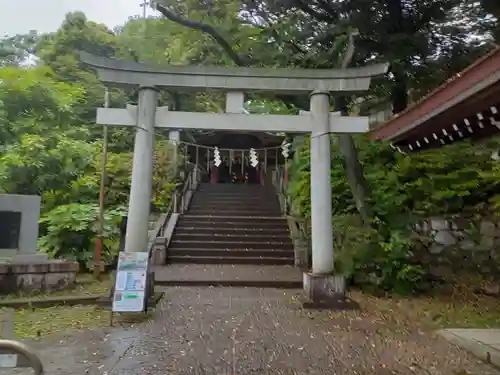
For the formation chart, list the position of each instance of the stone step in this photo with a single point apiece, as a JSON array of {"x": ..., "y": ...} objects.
[
  {"x": 234, "y": 197},
  {"x": 237, "y": 191},
  {"x": 229, "y": 275},
  {"x": 235, "y": 187},
  {"x": 231, "y": 253},
  {"x": 214, "y": 225},
  {"x": 236, "y": 194},
  {"x": 241, "y": 205},
  {"x": 233, "y": 218},
  {"x": 229, "y": 260},
  {"x": 267, "y": 192},
  {"x": 223, "y": 231},
  {"x": 232, "y": 236},
  {"x": 214, "y": 244},
  {"x": 235, "y": 202},
  {"x": 233, "y": 211},
  {"x": 244, "y": 201}
]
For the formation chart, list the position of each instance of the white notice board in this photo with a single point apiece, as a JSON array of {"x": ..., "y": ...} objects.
[{"x": 130, "y": 286}]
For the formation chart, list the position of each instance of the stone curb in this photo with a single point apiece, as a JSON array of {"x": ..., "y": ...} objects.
[
  {"x": 96, "y": 299},
  {"x": 51, "y": 301},
  {"x": 482, "y": 351}
]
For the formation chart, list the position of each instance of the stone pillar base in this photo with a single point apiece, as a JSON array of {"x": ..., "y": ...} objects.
[
  {"x": 326, "y": 292},
  {"x": 159, "y": 257}
]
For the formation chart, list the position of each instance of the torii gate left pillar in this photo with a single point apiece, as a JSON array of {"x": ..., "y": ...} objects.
[{"x": 142, "y": 171}]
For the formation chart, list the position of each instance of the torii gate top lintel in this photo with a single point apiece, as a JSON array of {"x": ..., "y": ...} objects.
[{"x": 196, "y": 78}]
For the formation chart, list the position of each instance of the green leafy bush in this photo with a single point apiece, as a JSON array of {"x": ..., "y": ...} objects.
[
  {"x": 447, "y": 182},
  {"x": 71, "y": 231}
]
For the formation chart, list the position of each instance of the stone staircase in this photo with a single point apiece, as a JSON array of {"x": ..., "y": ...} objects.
[{"x": 232, "y": 224}]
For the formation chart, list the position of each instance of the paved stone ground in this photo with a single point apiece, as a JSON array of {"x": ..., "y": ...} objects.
[
  {"x": 484, "y": 343},
  {"x": 218, "y": 331}
]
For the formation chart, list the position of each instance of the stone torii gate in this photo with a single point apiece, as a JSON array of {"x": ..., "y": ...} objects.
[{"x": 319, "y": 122}]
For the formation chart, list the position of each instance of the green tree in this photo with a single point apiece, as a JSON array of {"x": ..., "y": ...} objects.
[
  {"x": 18, "y": 49},
  {"x": 60, "y": 51},
  {"x": 32, "y": 100},
  {"x": 493, "y": 8}
]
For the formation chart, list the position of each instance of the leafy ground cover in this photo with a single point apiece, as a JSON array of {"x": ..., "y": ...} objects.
[
  {"x": 432, "y": 312},
  {"x": 33, "y": 322}
]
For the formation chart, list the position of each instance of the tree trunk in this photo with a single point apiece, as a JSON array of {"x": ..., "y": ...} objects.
[
  {"x": 353, "y": 168},
  {"x": 399, "y": 94}
]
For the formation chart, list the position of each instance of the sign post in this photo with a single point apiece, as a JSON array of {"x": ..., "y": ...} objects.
[{"x": 131, "y": 292}]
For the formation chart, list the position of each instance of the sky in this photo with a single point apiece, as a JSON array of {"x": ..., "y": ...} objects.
[{"x": 21, "y": 16}]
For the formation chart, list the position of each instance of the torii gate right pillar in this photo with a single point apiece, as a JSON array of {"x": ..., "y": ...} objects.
[
  {"x": 321, "y": 187},
  {"x": 322, "y": 287}
]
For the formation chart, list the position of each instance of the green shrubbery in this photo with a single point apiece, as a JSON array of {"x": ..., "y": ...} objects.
[{"x": 457, "y": 180}]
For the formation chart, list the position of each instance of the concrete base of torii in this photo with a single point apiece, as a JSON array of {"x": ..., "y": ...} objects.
[
  {"x": 322, "y": 289},
  {"x": 326, "y": 292}
]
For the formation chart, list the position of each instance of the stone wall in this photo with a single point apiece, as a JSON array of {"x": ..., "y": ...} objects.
[
  {"x": 33, "y": 278},
  {"x": 460, "y": 245}
]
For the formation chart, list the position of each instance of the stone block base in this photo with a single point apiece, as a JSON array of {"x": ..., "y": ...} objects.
[
  {"x": 35, "y": 277},
  {"x": 159, "y": 256},
  {"x": 326, "y": 292}
]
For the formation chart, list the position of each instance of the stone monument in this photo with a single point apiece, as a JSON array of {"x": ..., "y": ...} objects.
[{"x": 21, "y": 266}]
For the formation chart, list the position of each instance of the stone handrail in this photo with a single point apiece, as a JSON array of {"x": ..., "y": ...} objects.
[
  {"x": 188, "y": 185},
  {"x": 26, "y": 356},
  {"x": 299, "y": 227}
]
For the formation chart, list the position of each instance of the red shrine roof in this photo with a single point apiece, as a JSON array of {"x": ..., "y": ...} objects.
[{"x": 466, "y": 106}]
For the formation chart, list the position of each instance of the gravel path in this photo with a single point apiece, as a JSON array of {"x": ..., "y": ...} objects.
[
  {"x": 254, "y": 331},
  {"x": 218, "y": 331}
]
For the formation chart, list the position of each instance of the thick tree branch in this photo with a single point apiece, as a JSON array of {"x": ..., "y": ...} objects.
[
  {"x": 225, "y": 45},
  {"x": 354, "y": 170},
  {"x": 304, "y": 6},
  {"x": 275, "y": 34},
  {"x": 207, "y": 29},
  {"x": 349, "y": 52}
]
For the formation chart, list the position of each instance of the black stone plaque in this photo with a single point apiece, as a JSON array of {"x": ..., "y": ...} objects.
[{"x": 10, "y": 229}]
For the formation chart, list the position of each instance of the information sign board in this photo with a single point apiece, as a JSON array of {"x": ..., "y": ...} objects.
[{"x": 131, "y": 281}]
